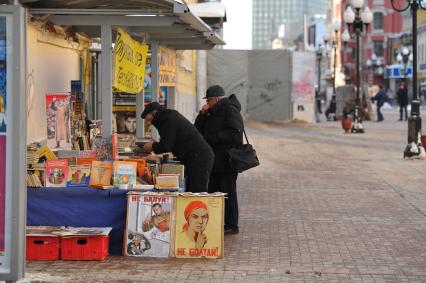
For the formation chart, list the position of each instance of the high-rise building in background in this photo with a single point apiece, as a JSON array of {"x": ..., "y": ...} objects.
[{"x": 282, "y": 21}]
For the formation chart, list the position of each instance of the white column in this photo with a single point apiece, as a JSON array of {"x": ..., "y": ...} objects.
[
  {"x": 140, "y": 125},
  {"x": 155, "y": 74}
]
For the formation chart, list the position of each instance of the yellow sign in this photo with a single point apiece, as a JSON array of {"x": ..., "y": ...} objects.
[
  {"x": 167, "y": 67},
  {"x": 130, "y": 60}
]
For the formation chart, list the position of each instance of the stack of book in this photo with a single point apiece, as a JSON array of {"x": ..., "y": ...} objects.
[{"x": 36, "y": 176}]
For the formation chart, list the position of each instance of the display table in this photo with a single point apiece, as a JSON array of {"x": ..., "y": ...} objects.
[{"x": 80, "y": 207}]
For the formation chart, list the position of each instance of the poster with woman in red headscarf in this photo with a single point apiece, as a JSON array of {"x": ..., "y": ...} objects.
[{"x": 199, "y": 226}]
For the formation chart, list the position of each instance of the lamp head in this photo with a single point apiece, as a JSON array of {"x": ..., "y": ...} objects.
[
  {"x": 368, "y": 63},
  {"x": 349, "y": 15},
  {"x": 336, "y": 26},
  {"x": 357, "y": 4},
  {"x": 405, "y": 51},
  {"x": 326, "y": 37},
  {"x": 319, "y": 53},
  {"x": 367, "y": 16},
  {"x": 346, "y": 36}
]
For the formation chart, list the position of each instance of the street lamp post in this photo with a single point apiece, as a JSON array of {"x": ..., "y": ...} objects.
[
  {"x": 372, "y": 64},
  {"x": 336, "y": 28},
  {"x": 404, "y": 57},
  {"x": 414, "y": 147},
  {"x": 358, "y": 20}
]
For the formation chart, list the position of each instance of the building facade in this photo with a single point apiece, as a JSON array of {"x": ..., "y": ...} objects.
[
  {"x": 387, "y": 24},
  {"x": 284, "y": 20},
  {"x": 334, "y": 14}
]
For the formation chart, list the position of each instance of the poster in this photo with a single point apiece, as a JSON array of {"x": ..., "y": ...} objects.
[
  {"x": 126, "y": 122},
  {"x": 58, "y": 121},
  {"x": 147, "y": 78},
  {"x": 167, "y": 67},
  {"x": 149, "y": 224},
  {"x": 2, "y": 189},
  {"x": 130, "y": 60},
  {"x": 5, "y": 140},
  {"x": 124, "y": 173},
  {"x": 303, "y": 79},
  {"x": 57, "y": 173},
  {"x": 199, "y": 226},
  {"x": 78, "y": 175},
  {"x": 167, "y": 77},
  {"x": 163, "y": 96},
  {"x": 3, "y": 132}
]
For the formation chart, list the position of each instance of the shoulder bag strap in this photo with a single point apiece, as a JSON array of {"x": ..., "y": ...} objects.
[{"x": 244, "y": 131}]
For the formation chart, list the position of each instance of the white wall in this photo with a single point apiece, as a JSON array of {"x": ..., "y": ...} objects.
[
  {"x": 186, "y": 105},
  {"x": 53, "y": 63}
]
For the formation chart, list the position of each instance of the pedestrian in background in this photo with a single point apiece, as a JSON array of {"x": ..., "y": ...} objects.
[
  {"x": 221, "y": 124},
  {"x": 380, "y": 99},
  {"x": 402, "y": 96},
  {"x": 331, "y": 110}
]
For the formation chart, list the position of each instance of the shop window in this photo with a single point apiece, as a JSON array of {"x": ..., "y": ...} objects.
[{"x": 378, "y": 20}]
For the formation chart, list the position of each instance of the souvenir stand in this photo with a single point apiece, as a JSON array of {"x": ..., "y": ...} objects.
[{"x": 158, "y": 23}]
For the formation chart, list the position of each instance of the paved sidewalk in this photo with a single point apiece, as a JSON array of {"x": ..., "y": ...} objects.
[{"x": 323, "y": 207}]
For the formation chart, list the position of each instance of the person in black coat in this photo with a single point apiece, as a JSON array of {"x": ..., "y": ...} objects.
[
  {"x": 221, "y": 124},
  {"x": 331, "y": 109},
  {"x": 380, "y": 99},
  {"x": 402, "y": 96},
  {"x": 180, "y": 137}
]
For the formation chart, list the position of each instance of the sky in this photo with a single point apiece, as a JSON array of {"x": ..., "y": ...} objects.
[{"x": 237, "y": 29}]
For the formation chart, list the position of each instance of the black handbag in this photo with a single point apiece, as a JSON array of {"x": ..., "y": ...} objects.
[{"x": 243, "y": 157}]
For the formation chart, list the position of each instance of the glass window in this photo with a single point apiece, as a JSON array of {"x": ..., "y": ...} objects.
[
  {"x": 378, "y": 48},
  {"x": 378, "y": 20}
]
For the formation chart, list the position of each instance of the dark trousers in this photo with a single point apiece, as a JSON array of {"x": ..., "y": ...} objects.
[
  {"x": 401, "y": 111},
  {"x": 379, "y": 114},
  {"x": 197, "y": 172},
  {"x": 227, "y": 183}
]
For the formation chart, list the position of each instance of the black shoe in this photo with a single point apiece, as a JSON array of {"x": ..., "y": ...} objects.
[
  {"x": 231, "y": 230},
  {"x": 400, "y": 120}
]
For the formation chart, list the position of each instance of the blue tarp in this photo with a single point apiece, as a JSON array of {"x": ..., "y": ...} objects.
[{"x": 80, "y": 207}]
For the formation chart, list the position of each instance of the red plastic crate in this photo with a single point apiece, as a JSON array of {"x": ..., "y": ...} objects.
[
  {"x": 43, "y": 248},
  {"x": 85, "y": 248}
]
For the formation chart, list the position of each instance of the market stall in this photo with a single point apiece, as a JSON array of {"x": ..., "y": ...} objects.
[{"x": 80, "y": 175}]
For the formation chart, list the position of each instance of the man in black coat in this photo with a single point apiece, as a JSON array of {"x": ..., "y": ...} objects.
[
  {"x": 402, "y": 96},
  {"x": 380, "y": 99},
  {"x": 181, "y": 138},
  {"x": 221, "y": 124}
]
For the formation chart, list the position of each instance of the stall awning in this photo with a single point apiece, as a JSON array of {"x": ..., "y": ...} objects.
[
  {"x": 208, "y": 10},
  {"x": 169, "y": 22},
  {"x": 213, "y": 13}
]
